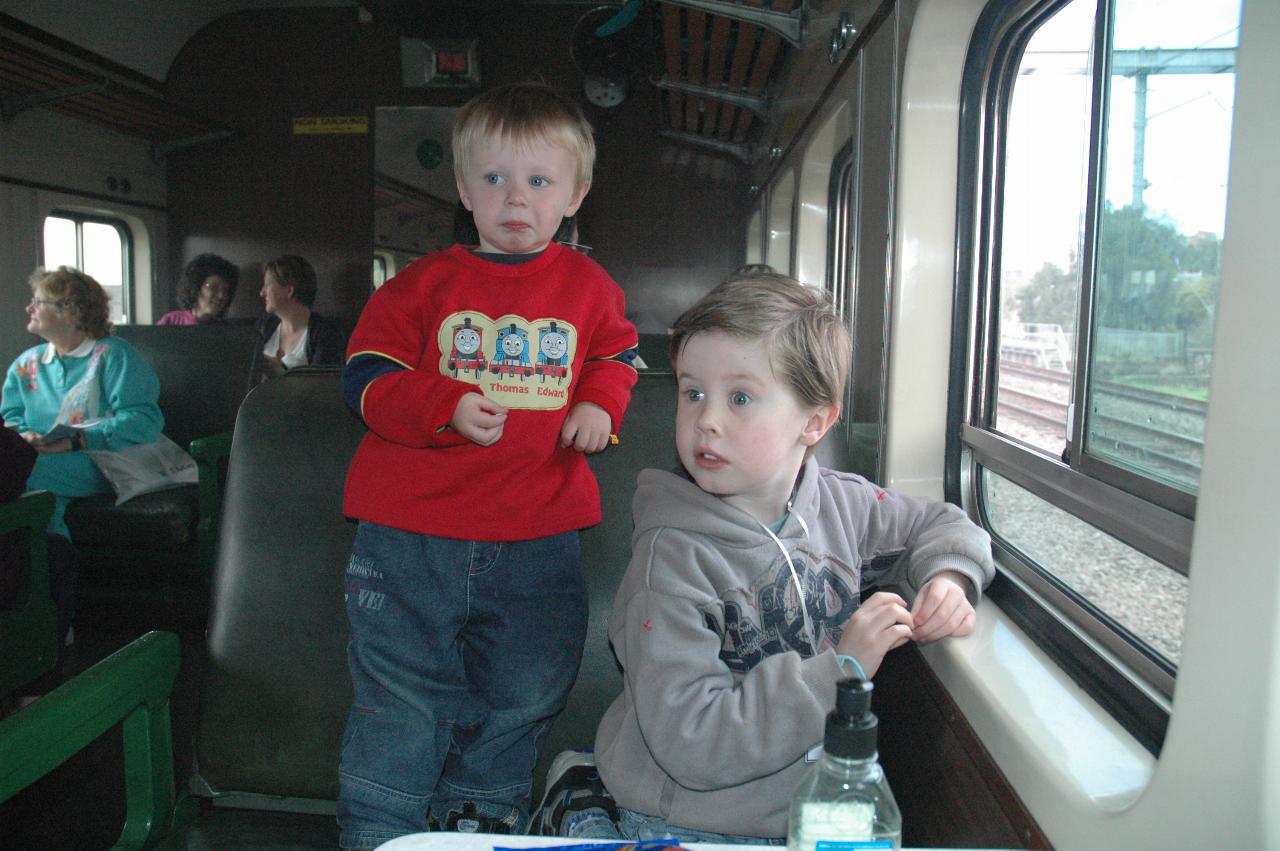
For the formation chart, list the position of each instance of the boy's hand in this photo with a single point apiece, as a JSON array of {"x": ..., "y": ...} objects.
[
  {"x": 479, "y": 419},
  {"x": 878, "y": 626},
  {"x": 941, "y": 608},
  {"x": 586, "y": 428}
]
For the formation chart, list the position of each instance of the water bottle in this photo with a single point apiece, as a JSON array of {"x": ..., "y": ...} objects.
[{"x": 845, "y": 803}]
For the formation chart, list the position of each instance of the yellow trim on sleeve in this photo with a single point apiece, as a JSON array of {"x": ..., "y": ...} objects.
[{"x": 355, "y": 355}]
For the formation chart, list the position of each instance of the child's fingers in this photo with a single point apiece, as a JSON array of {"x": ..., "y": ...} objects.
[
  {"x": 885, "y": 598},
  {"x": 931, "y": 596},
  {"x": 947, "y": 620},
  {"x": 487, "y": 436},
  {"x": 590, "y": 441},
  {"x": 568, "y": 434},
  {"x": 886, "y": 614}
]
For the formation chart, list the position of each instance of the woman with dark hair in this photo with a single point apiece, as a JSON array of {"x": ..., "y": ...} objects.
[
  {"x": 292, "y": 333},
  {"x": 83, "y": 378},
  {"x": 205, "y": 293}
]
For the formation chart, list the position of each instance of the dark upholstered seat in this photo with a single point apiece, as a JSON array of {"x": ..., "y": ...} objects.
[
  {"x": 156, "y": 540},
  {"x": 167, "y": 516},
  {"x": 276, "y": 690},
  {"x": 203, "y": 371}
]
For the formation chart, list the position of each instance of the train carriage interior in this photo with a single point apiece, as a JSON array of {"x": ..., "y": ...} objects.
[{"x": 1042, "y": 221}]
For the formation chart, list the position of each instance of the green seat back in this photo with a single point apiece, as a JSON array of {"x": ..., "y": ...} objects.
[{"x": 203, "y": 371}]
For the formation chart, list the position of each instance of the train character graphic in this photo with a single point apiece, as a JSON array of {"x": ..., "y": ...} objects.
[
  {"x": 553, "y": 350},
  {"x": 511, "y": 353},
  {"x": 467, "y": 354}
]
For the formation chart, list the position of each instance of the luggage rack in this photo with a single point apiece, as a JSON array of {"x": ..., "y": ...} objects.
[{"x": 40, "y": 70}]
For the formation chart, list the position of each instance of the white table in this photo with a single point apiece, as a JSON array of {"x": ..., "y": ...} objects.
[
  {"x": 444, "y": 841},
  {"x": 488, "y": 841}
]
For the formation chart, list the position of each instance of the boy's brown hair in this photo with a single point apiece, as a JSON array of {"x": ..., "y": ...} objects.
[
  {"x": 522, "y": 114},
  {"x": 808, "y": 343}
]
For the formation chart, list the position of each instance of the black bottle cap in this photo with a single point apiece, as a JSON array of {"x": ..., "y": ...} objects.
[{"x": 851, "y": 726}]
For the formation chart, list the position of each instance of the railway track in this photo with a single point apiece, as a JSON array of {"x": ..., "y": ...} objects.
[{"x": 1157, "y": 430}]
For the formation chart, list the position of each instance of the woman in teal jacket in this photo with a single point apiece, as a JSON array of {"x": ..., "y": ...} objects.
[{"x": 80, "y": 376}]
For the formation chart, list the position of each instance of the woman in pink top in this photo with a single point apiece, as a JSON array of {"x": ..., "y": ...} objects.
[{"x": 207, "y": 289}]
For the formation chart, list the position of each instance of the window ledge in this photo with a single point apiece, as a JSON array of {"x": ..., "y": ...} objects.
[{"x": 1060, "y": 750}]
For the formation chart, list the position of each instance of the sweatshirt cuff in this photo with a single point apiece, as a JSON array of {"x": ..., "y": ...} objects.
[
  {"x": 604, "y": 400},
  {"x": 957, "y": 564}
]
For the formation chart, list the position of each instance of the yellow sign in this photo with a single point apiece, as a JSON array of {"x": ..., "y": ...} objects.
[{"x": 331, "y": 124}]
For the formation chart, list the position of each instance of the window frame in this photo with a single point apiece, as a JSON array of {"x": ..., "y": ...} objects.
[
  {"x": 1132, "y": 682},
  {"x": 126, "y": 251}
]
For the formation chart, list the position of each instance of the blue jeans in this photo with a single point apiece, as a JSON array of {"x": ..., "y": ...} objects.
[
  {"x": 638, "y": 827},
  {"x": 462, "y": 654}
]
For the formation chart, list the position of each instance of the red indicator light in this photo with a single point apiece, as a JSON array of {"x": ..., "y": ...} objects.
[{"x": 452, "y": 62}]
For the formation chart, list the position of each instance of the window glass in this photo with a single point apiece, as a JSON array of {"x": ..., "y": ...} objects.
[
  {"x": 1171, "y": 91},
  {"x": 1103, "y": 216},
  {"x": 755, "y": 247},
  {"x": 97, "y": 248},
  {"x": 60, "y": 243},
  {"x": 1141, "y": 595},
  {"x": 104, "y": 261},
  {"x": 1046, "y": 181}
]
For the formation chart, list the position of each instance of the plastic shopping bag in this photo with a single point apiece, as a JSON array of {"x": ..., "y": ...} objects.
[{"x": 146, "y": 467}]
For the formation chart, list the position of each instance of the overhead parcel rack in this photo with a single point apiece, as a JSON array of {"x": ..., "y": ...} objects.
[{"x": 40, "y": 70}]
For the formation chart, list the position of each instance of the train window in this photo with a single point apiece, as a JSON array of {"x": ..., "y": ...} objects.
[
  {"x": 97, "y": 247},
  {"x": 782, "y": 201},
  {"x": 813, "y": 220},
  {"x": 383, "y": 268},
  {"x": 842, "y": 242},
  {"x": 755, "y": 238},
  {"x": 1092, "y": 238}
]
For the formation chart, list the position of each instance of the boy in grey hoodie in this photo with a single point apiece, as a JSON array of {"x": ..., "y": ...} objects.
[{"x": 739, "y": 610}]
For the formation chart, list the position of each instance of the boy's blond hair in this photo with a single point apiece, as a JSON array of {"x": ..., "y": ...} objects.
[
  {"x": 807, "y": 341},
  {"x": 523, "y": 114}
]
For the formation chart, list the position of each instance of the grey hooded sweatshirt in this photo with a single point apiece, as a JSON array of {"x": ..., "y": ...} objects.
[{"x": 724, "y": 692}]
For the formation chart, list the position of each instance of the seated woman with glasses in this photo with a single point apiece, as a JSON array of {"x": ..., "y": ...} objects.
[
  {"x": 205, "y": 293},
  {"x": 292, "y": 333},
  {"x": 88, "y": 383}
]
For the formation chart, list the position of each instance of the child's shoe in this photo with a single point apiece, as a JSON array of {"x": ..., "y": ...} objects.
[
  {"x": 576, "y": 803},
  {"x": 470, "y": 821}
]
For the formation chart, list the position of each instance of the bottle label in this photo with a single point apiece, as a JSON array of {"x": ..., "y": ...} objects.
[{"x": 838, "y": 826}]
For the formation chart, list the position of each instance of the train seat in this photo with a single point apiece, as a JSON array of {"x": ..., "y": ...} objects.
[
  {"x": 152, "y": 542},
  {"x": 653, "y": 350},
  {"x": 28, "y": 630}
]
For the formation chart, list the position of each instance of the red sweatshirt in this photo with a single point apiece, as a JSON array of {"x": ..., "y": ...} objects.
[{"x": 536, "y": 337}]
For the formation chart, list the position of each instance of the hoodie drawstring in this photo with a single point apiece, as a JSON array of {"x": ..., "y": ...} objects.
[{"x": 795, "y": 577}]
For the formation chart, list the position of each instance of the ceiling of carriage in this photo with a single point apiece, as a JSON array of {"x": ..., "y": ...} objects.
[
  {"x": 708, "y": 65},
  {"x": 143, "y": 35},
  {"x": 705, "y": 76},
  {"x": 713, "y": 69}
]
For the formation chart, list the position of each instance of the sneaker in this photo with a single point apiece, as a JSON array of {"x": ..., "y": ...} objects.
[
  {"x": 576, "y": 802},
  {"x": 470, "y": 821}
]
